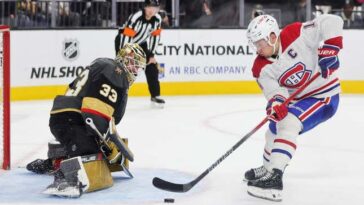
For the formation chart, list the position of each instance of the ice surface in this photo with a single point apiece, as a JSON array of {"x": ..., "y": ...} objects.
[{"x": 179, "y": 142}]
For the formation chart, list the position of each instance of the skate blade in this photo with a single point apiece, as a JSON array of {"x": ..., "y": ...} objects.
[
  {"x": 268, "y": 194},
  {"x": 70, "y": 192},
  {"x": 245, "y": 180},
  {"x": 50, "y": 191},
  {"x": 157, "y": 105}
]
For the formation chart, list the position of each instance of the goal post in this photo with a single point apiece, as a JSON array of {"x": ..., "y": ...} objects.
[{"x": 5, "y": 97}]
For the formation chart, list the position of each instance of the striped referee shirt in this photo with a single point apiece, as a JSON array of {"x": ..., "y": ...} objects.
[{"x": 139, "y": 30}]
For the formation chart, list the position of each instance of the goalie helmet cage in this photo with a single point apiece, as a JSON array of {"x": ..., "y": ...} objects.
[{"x": 5, "y": 97}]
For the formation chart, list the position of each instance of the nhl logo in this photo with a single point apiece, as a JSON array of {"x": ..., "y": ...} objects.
[{"x": 70, "y": 49}]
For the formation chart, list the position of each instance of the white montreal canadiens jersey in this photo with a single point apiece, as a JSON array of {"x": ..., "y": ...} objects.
[{"x": 297, "y": 61}]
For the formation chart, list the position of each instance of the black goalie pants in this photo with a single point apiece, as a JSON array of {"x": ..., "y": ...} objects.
[{"x": 70, "y": 130}]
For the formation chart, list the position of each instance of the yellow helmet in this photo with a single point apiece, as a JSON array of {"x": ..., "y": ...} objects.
[{"x": 133, "y": 58}]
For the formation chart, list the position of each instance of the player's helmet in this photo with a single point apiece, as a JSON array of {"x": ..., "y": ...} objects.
[
  {"x": 133, "y": 58},
  {"x": 151, "y": 3},
  {"x": 261, "y": 27}
]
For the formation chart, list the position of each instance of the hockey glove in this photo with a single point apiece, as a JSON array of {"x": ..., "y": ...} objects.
[
  {"x": 276, "y": 111},
  {"x": 328, "y": 59}
]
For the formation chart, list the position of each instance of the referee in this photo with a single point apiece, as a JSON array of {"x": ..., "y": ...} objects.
[{"x": 144, "y": 28}]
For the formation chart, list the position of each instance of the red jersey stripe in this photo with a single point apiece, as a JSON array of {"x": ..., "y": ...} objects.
[
  {"x": 95, "y": 113},
  {"x": 286, "y": 142}
]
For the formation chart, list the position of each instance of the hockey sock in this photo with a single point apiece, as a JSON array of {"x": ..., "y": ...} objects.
[
  {"x": 269, "y": 138},
  {"x": 284, "y": 145}
]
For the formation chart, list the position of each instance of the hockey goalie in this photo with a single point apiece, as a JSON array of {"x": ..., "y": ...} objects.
[{"x": 87, "y": 146}]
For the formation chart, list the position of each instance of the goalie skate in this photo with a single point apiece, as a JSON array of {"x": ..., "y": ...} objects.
[
  {"x": 40, "y": 166},
  {"x": 268, "y": 187},
  {"x": 70, "y": 180},
  {"x": 60, "y": 187}
]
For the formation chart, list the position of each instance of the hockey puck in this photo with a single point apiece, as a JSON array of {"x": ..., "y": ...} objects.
[{"x": 168, "y": 200}]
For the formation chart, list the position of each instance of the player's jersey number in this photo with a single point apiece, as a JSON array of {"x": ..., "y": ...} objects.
[
  {"x": 80, "y": 82},
  {"x": 109, "y": 92}
]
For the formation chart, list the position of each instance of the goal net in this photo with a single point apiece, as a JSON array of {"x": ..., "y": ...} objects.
[{"x": 4, "y": 97}]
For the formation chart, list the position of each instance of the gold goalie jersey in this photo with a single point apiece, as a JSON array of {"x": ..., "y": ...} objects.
[{"x": 101, "y": 89}]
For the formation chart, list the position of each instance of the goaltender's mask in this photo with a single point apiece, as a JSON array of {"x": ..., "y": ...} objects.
[{"x": 133, "y": 59}]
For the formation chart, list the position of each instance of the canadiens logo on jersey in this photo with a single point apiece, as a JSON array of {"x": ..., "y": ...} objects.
[
  {"x": 295, "y": 76},
  {"x": 70, "y": 49}
]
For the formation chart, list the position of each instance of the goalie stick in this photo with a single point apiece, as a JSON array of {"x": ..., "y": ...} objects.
[
  {"x": 111, "y": 131},
  {"x": 174, "y": 187}
]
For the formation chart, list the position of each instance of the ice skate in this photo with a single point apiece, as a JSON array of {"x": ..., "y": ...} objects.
[
  {"x": 61, "y": 187},
  {"x": 157, "y": 102},
  {"x": 70, "y": 180},
  {"x": 40, "y": 166},
  {"x": 255, "y": 173},
  {"x": 268, "y": 187}
]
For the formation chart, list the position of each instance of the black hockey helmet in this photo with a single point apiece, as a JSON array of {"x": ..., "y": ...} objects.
[{"x": 151, "y": 3}]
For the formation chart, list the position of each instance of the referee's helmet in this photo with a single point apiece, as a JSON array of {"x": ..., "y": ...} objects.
[{"x": 151, "y": 3}]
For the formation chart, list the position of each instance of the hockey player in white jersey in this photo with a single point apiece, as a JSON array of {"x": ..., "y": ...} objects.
[{"x": 286, "y": 60}]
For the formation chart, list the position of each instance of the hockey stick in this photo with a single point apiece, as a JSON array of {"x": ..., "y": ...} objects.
[
  {"x": 110, "y": 131},
  {"x": 173, "y": 187},
  {"x": 115, "y": 138},
  {"x": 102, "y": 137}
]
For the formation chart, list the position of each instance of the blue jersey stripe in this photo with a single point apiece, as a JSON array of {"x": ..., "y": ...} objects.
[
  {"x": 265, "y": 158},
  {"x": 282, "y": 152}
]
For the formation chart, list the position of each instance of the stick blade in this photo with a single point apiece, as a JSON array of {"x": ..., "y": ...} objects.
[{"x": 169, "y": 186}]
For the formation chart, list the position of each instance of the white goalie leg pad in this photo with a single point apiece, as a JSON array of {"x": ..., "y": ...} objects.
[
  {"x": 51, "y": 189},
  {"x": 72, "y": 165},
  {"x": 75, "y": 180},
  {"x": 269, "y": 194},
  {"x": 67, "y": 192}
]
